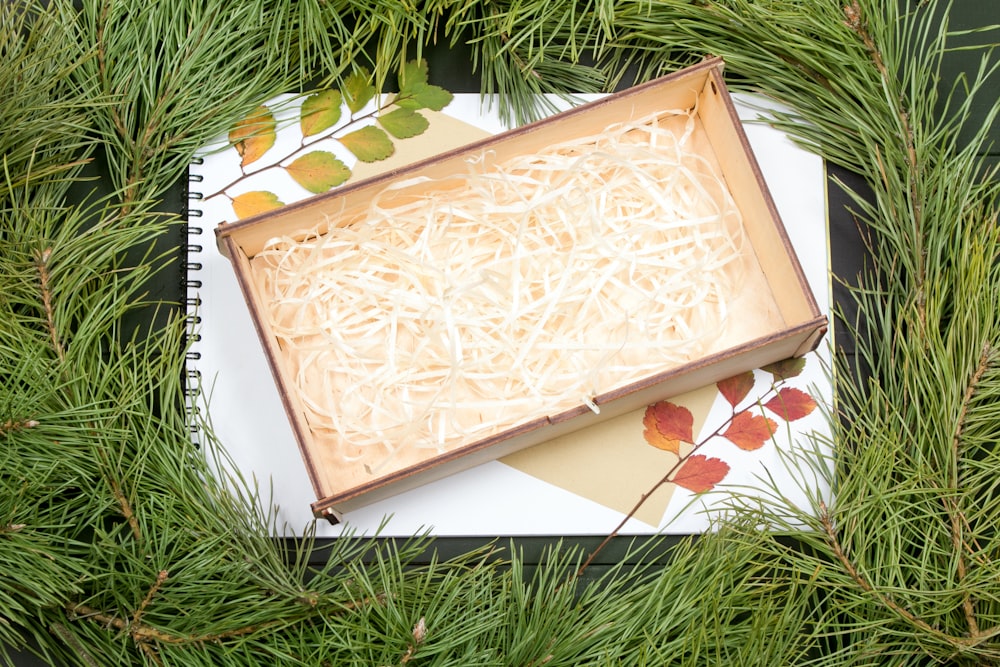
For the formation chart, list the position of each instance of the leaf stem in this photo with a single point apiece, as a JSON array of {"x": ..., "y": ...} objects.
[{"x": 642, "y": 501}]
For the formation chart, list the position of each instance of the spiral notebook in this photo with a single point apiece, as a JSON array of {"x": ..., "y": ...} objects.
[{"x": 580, "y": 484}]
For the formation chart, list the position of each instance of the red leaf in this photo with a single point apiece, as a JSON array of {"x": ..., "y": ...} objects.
[
  {"x": 748, "y": 431},
  {"x": 654, "y": 437},
  {"x": 786, "y": 368},
  {"x": 791, "y": 404},
  {"x": 700, "y": 473},
  {"x": 736, "y": 388},
  {"x": 670, "y": 422}
]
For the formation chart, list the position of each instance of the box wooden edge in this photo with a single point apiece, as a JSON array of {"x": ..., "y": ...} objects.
[
  {"x": 272, "y": 365},
  {"x": 225, "y": 229},
  {"x": 332, "y": 507}
]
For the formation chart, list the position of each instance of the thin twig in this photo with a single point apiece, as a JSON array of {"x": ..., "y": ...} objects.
[
  {"x": 61, "y": 631},
  {"x": 143, "y": 634},
  {"x": 125, "y": 506},
  {"x": 140, "y": 632},
  {"x": 42, "y": 264},
  {"x": 12, "y": 425},
  {"x": 957, "y": 517},
  {"x": 160, "y": 578},
  {"x": 632, "y": 512}
]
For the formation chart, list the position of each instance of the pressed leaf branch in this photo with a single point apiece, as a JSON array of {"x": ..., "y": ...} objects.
[
  {"x": 319, "y": 171},
  {"x": 667, "y": 425}
]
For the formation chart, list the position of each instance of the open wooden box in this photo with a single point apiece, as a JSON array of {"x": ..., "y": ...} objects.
[{"x": 782, "y": 320}]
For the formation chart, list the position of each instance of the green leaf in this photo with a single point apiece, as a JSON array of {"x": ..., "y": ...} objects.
[
  {"x": 320, "y": 111},
  {"x": 403, "y": 123},
  {"x": 413, "y": 73},
  {"x": 424, "y": 96},
  {"x": 786, "y": 368},
  {"x": 253, "y": 203},
  {"x": 358, "y": 90},
  {"x": 318, "y": 171},
  {"x": 369, "y": 144},
  {"x": 254, "y": 135}
]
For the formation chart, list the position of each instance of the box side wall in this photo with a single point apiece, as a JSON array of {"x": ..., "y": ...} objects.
[
  {"x": 293, "y": 409},
  {"x": 760, "y": 215},
  {"x": 692, "y": 376},
  {"x": 678, "y": 92}
]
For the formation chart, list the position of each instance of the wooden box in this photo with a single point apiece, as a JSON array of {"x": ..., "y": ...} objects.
[{"x": 768, "y": 315}]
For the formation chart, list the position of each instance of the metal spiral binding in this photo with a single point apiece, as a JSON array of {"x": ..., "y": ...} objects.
[{"x": 192, "y": 376}]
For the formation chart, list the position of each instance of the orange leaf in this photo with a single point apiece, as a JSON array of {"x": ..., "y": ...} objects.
[
  {"x": 748, "y": 431},
  {"x": 791, "y": 404},
  {"x": 251, "y": 203},
  {"x": 786, "y": 368},
  {"x": 700, "y": 473},
  {"x": 654, "y": 437},
  {"x": 673, "y": 422},
  {"x": 736, "y": 388},
  {"x": 254, "y": 135}
]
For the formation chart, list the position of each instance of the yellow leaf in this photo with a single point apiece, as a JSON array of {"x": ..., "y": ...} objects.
[
  {"x": 254, "y": 135},
  {"x": 320, "y": 111},
  {"x": 318, "y": 171},
  {"x": 254, "y": 203}
]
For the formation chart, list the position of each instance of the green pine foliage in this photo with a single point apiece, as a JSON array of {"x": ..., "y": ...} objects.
[{"x": 121, "y": 543}]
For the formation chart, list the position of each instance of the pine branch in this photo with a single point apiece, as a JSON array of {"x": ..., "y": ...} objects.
[
  {"x": 956, "y": 516},
  {"x": 958, "y": 643},
  {"x": 41, "y": 263},
  {"x": 855, "y": 22},
  {"x": 921, "y": 437}
]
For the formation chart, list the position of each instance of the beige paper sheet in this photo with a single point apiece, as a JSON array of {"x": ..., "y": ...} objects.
[{"x": 611, "y": 463}]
